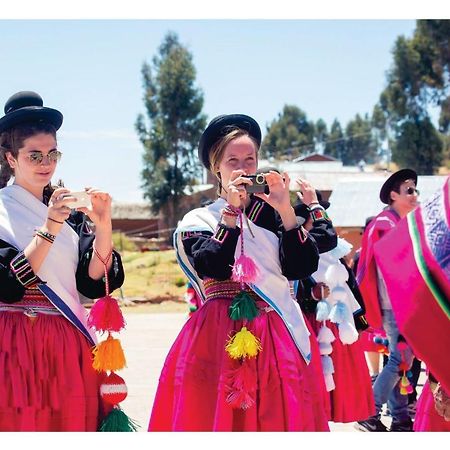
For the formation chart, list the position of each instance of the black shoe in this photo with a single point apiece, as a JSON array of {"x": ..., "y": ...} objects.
[
  {"x": 406, "y": 425},
  {"x": 371, "y": 424}
]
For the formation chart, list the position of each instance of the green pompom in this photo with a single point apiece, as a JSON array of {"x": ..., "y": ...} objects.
[
  {"x": 243, "y": 307},
  {"x": 117, "y": 420}
]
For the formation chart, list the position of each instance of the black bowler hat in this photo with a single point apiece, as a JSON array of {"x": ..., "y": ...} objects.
[
  {"x": 27, "y": 106},
  {"x": 219, "y": 126},
  {"x": 401, "y": 175}
]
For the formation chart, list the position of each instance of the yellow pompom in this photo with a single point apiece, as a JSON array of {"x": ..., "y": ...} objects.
[
  {"x": 108, "y": 355},
  {"x": 403, "y": 391},
  {"x": 404, "y": 382},
  {"x": 243, "y": 344}
]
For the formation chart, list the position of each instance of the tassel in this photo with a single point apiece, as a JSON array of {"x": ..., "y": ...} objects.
[
  {"x": 327, "y": 364},
  {"x": 329, "y": 382},
  {"x": 117, "y": 420},
  {"x": 243, "y": 344},
  {"x": 347, "y": 333},
  {"x": 108, "y": 355},
  {"x": 325, "y": 349},
  {"x": 243, "y": 307},
  {"x": 105, "y": 315},
  {"x": 322, "y": 311},
  {"x": 244, "y": 270},
  {"x": 338, "y": 312},
  {"x": 241, "y": 387},
  {"x": 325, "y": 335},
  {"x": 337, "y": 294}
]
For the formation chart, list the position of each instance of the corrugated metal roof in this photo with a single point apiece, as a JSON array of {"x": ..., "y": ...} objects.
[{"x": 353, "y": 201}]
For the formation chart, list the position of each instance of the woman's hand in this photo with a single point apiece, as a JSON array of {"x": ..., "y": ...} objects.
[
  {"x": 100, "y": 211},
  {"x": 278, "y": 196},
  {"x": 58, "y": 211},
  {"x": 236, "y": 192},
  {"x": 307, "y": 193},
  {"x": 320, "y": 291}
]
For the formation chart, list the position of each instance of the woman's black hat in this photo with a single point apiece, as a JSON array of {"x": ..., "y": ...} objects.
[
  {"x": 28, "y": 106},
  {"x": 219, "y": 126},
  {"x": 401, "y": 175}
]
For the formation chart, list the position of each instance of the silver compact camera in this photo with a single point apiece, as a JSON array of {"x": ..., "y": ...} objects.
[{"x": 259, "y": 185}]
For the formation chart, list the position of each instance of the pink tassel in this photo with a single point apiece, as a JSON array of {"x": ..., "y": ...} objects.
[
  {"x": 241, "y": 387},
  {"x": 105, "y": 315},
  {"x": 244, "y": 270}
]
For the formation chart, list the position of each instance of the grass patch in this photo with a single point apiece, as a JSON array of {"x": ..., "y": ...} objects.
[{"x": 153, "y": 275}]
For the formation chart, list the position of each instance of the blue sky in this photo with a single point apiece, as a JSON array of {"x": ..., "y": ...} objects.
[{"x": 90, "y": 70}]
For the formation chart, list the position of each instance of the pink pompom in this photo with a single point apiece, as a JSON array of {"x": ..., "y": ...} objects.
[
  {"x": 244, "y": 270},
  {"x": 241, "y": 386},
  {"x": 105, "y": 315},
  {"x": 402, "y": 346}
]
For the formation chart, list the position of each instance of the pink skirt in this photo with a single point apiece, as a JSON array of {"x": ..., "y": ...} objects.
[
  {"x": 47, "y": 379},
  {"x": 427, "y": 419},
  {"x": 352, "y": 398},
  {"x": 192, "y": 390}
]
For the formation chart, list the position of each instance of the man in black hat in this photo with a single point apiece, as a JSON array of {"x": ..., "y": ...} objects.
[{"x": 399, "y": 193}]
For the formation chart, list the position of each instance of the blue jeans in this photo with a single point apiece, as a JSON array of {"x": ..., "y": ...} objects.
[{"x": 386, "y": 388}]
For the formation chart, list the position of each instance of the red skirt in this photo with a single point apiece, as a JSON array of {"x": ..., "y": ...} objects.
[
  {"x": 47, "y": 379},
  {"x": 352, "y": 398},
  {"x": 427, "y": 419},
  {"x": 192, "y": 390}
]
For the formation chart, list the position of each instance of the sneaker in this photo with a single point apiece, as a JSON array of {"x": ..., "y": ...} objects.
[
  {"x": 371, "y": 424},
  {"x": 406, "y": 425}
]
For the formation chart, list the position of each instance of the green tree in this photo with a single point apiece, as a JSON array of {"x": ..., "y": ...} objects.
[
  {"x": 335, "y": 146},
  {"x": 360, "y": 144},
  {"x": 417, "y": 82},
  {"x": 289, "y": 136},
  {"x": 419, "y": 146},
  {"x": 172, "y": 128},
  {"x": 320, "y": 135}
]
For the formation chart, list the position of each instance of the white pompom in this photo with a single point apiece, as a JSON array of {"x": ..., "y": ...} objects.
[
  {"x": 325, "y": 335},
  {"x": 336, "y": 274},
  {"x": 347, "y": 333},
  {"x": 337, "y": 294},
  {"x": 329, "y": 382},
  {"x": 325, "y": 349},
  {"x": 327, "y": 364}
]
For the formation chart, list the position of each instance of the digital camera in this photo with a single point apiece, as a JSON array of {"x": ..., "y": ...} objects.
[
  {"x": 259, "y": 185},
  {"x": 82, "y": 200}
]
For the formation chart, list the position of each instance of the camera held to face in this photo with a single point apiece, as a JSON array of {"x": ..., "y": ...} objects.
[{"x": 259, "y": 185}]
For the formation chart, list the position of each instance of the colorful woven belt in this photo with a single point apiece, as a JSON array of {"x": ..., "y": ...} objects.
[{"x": 32, "y": 303}]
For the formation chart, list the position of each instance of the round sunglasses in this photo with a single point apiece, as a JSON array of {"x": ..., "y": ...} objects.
[{"x": 37, "y": 158}]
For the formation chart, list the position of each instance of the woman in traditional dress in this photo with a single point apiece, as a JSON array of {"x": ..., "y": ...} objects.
[
  {"x": 48, "y": 254},
  {"x": 245, "y": 361}
]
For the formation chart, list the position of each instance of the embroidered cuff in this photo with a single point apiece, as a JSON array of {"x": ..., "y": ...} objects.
[
  {"x": 319, "y": 213},
  {"x": 22, "y": 270},
  {"x": 221, "y": 234}
]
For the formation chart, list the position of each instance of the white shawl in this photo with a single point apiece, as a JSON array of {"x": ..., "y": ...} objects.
[
  {"x": 272, "y": 286},
  {"x": 21, "y": 214}
]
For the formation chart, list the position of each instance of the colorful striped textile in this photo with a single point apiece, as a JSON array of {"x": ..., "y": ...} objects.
[{"x": 415, "y": 262}]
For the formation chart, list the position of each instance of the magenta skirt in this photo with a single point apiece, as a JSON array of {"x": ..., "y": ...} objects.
[
  {"x": 352, "y": 398},
  {"x": 47, "y": 379},
  {"x": 193, "y": 387},
  {"x": 427, "y": 419}
]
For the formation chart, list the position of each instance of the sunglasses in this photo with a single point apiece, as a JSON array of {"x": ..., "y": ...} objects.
[
  {"x": 411, "y": 191},
  {"x": 37, "y": 158}
]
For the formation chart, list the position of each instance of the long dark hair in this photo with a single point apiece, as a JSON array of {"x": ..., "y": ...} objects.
[{"x": 13, "y": 139}]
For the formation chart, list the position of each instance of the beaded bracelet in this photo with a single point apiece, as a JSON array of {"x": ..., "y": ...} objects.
[
  {"x": 46, "y": 236},
  {"x": 231, "y": 211},
  {"x": 22, "y": 270}
]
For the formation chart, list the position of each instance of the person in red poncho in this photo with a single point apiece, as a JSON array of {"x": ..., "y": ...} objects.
[{"x": 400, "y": 194}]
